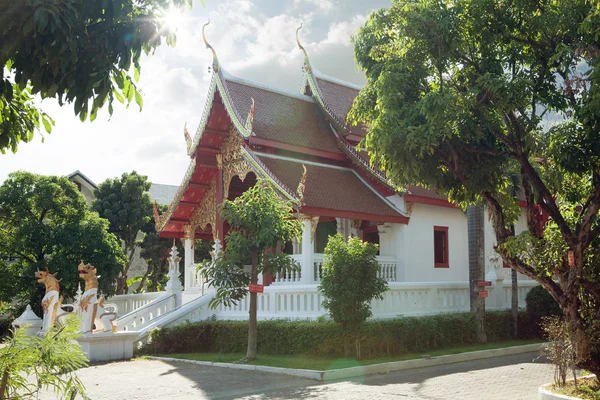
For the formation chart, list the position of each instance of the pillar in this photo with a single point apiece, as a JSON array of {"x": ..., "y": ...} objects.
[
  {"x": 189, "y": 266},
  {"x": 307, "y": 253}
]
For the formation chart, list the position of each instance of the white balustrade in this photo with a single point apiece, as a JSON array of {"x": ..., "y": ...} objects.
[
  {"x": 143, "y": 316},
  {"x": 126, "y": 303},
  {"x": 523, "y": 287},
  {"x": 290, "y": 276},
  {"x": 387, "y": 268}
]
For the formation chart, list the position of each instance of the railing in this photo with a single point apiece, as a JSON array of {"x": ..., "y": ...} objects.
[
  {"x": 305, "y": 301},
  {"x": 290, "y": 277},
  {"x": 143, "y": 316},
  {"x": 192, "y": 311},
  {"x": 387, "y": 268},
  {"x": 523, "y": 287},
  {"x": 126, "y": 303}
]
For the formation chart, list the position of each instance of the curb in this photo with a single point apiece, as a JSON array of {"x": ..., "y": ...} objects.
[
  {"x": 383, "y": 368},
  {"x": 544, "y": 392}
]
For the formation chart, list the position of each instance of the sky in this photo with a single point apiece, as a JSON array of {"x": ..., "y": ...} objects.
[{"x": 254, "y": 40}]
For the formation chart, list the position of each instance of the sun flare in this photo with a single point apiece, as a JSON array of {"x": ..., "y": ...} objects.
[{"x": 173, "y": 18}]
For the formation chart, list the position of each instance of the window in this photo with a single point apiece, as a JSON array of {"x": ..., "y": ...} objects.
[{"x": 440, "y": 246}]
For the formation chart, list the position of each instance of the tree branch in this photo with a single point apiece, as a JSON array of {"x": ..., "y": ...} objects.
[{"x": 546, "y": 201}]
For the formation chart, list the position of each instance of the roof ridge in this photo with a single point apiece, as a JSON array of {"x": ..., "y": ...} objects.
[
  {"x": 341, "y": 82},
  {"x": 268, "y": 88}
]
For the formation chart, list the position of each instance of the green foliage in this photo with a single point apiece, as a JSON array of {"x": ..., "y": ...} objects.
[
  {"x": 45, "y": 223},
  {"x": 483, "y": 97},
  {"x": 81, "y": 52},
  {"x": 258, "y": 220},
  {"x": 350, "y": 280},
  {"x": 126, "y": 204},
  {"x": 541, "y": 304},
  {"x": 378, "y": 338},
  {"x": 31, "y": 363}
]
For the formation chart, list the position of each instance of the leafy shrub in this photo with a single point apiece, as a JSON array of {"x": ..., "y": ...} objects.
[
  {"x": 540, "y": 304},
  {"x": 376, "y": 338}
]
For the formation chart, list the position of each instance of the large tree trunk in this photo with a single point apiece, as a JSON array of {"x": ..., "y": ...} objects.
[
  {"x": 252, "y": 329},
  {"x": 475, "y": 219}
]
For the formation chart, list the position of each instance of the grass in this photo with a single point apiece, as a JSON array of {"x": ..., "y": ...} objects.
[
  {"x": 587, "y": 389},
  {"x": 321, "y": 363}
]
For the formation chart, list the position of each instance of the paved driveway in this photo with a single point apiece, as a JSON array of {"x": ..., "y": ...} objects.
[{"x": 511, "y": 377}]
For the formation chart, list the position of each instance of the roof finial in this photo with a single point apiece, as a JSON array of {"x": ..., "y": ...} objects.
[
  {"x": 306, "y": 63},
  {"x": 215, "y": 64},
  {"x": 250, "y": 118},
  {"x": 188, "y": 138}
]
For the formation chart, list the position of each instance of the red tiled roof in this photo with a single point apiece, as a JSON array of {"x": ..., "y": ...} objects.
[
  {"x": 289, "y": 118},
  {"x": 339, "y": 99},
  {"x": 330, "y": 187}
]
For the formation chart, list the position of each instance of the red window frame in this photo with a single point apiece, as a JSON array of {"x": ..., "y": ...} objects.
[{"x": 446, "y": 263}]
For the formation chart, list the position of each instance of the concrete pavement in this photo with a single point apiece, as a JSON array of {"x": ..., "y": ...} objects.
[{"x": 514, "y": 377}]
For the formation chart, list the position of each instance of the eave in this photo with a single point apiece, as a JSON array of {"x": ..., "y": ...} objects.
[{"x": 328, "y": 212}]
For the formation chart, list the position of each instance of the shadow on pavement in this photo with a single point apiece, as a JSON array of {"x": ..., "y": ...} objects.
[{"x": 234, "y": 384}]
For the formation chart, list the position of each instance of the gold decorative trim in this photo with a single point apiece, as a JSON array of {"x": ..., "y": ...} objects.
[
  {"x": 189, "y": 232},
  {"x": 232, "y": 160},
  {"x": 356, "y": 223},
  {"x": 409, "y": 208},
  {"x": 206, "y": 212}
]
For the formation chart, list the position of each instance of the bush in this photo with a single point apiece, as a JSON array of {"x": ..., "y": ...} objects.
[
  {"x": 540, "y": 304},
  {"x": 377, "y": 338}
]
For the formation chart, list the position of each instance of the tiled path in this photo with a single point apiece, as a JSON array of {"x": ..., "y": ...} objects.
[{"x": 511, "y": 377}]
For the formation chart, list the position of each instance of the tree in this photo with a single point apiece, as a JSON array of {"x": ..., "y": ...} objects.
[
  {"x": 29, "y": 364},
  {"x": 126, "y": 205},
  {"x": 458, "y": 95},
  {"x": 80, "y": 52},
  {"x": 46, "y": 223},
  {"x": 350, "y": 282},
  {"x": 258, "y": 220}
]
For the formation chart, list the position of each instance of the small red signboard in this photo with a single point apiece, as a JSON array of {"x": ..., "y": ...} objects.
[
  {"x": 484, "y": 283},
  {"x": 483, "y": 294},
  {"x": 256, "y": 288},
  {"x": 571, "y": 258}
]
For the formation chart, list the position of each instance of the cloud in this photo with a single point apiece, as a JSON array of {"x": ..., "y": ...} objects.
[
  {"x": 323, "y": 5},
  {"x": 253, "y": 40}
]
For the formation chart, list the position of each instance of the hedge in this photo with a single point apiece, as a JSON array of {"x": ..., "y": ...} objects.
[{"x": 378, "y": 337}]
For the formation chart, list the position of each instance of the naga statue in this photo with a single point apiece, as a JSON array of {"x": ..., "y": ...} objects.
[
  {"x": 51, "y": 302},
  {"x": 90, "y": 307}
]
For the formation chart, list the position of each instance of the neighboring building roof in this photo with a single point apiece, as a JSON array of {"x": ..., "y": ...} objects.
[
  {"x": 162, "y": 194},
  {"x": 83, "y": 177},
  {"x": 331, "y": 187},
  {"x": 283, "y": 117}
]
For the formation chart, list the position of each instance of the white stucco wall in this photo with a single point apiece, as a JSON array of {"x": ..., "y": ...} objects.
[
  {"x": 490, "y": 240},
  {"x": 418, "y": 245}
]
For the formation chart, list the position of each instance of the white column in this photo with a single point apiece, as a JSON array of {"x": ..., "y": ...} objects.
[
  {"x": 307, "y": 254},
  {"x": 398, "y": 242},
  {"x": 188, "y": 260}
]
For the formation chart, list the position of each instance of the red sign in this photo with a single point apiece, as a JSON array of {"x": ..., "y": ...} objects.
[
  {"x": 571, "y": 258},
  {"x": 484, "y": 283},
  {"x": 483, "y": 294},
  {"x": 256, "y": 288}
]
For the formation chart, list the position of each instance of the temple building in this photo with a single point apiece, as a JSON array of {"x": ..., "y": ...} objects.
[{"x": 250, "y": 131}]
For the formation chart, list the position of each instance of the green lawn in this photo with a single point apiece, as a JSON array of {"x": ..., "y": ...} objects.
[{"x": 328, "y": 363}]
